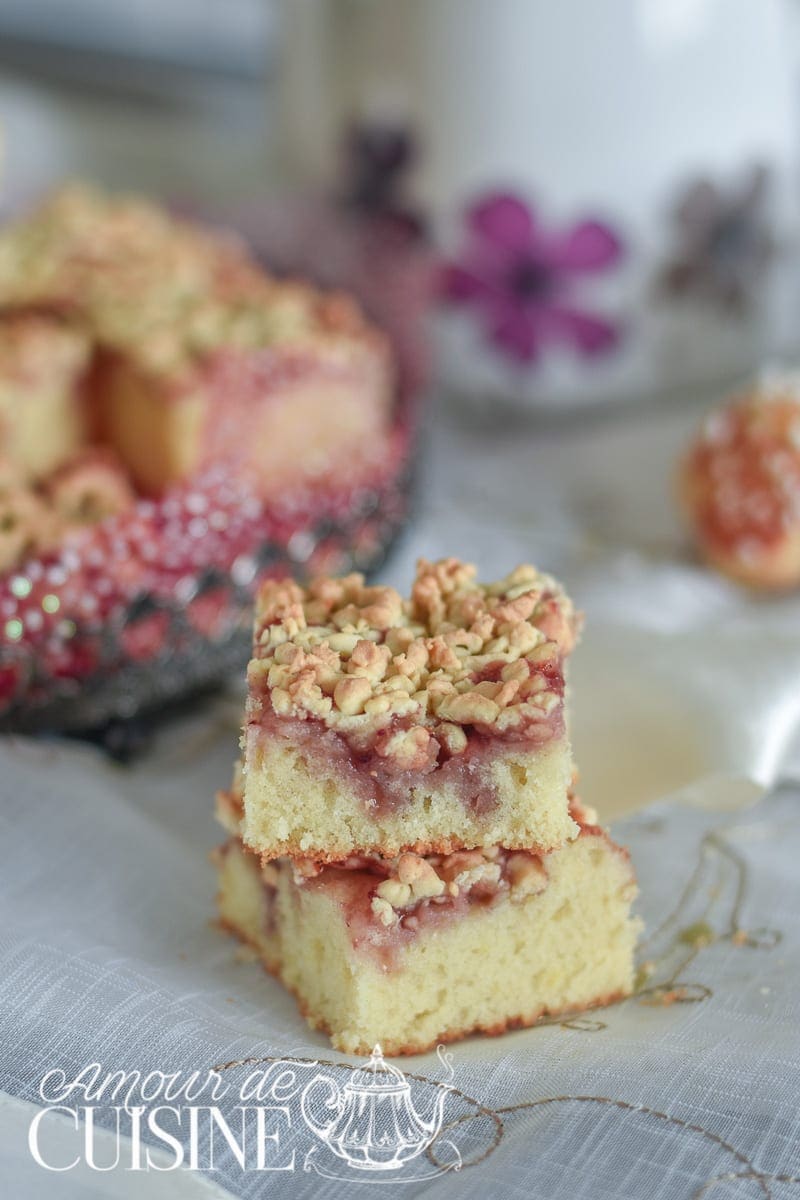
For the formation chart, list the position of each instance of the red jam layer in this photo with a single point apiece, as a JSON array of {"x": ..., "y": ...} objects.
[
  {"x": 376, "y": 779},
  {"x": 354, "y": 890},
  {"x": 353, "y": 886}
]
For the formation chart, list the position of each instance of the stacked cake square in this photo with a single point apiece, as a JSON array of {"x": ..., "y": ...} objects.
[{"x": 406, "y": 852}]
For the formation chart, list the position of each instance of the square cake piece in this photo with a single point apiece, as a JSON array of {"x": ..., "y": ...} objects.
[
  {"x": 305, "y": 411},
  {"x": 415, "y": 950},
  {"x": 376, "y": 724},
  {"x": 302, "y": 373}
]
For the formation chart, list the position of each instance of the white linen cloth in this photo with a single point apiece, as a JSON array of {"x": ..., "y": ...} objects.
[{"x": 686, "y": 699}]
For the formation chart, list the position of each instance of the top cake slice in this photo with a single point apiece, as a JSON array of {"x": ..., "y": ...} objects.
[{"x": 376, "y": 724}]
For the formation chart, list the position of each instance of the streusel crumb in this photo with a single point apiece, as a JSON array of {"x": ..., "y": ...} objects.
[{"x": 457, "y": 654}]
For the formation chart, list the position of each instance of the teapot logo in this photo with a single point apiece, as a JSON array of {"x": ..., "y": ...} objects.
[{"x": 372, "y": 1123}]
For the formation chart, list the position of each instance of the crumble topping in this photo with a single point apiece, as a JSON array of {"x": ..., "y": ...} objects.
[
  {"x": 413, "y": 880},
  {"x": 34, "y": 519},
  {"x": 89, "y": 488},
  {"x": 162, "y": 289},
  {"x": 410, "y": 677},
  {"x": 410, "y": 882},
  {"x": 27, "y": 524}
]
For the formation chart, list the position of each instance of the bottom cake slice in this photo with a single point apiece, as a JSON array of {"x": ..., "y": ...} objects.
[{"x": 413, "y": 951}]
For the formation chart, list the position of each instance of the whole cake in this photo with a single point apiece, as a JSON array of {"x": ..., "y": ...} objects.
[{"x": 405, "y": 851}]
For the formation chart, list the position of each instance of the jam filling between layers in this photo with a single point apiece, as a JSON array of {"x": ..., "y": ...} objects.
[
  {"x": 363, "y": 762},
  {"x": 458, "y": 884}
]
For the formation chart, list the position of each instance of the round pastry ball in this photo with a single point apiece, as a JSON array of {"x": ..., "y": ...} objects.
[{"x": 740, "y": 486}]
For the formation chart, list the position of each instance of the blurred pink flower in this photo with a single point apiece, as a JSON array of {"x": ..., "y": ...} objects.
[{"x": 520, "y": 279}]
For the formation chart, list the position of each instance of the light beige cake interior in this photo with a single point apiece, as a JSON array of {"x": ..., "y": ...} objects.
[
  {"x": 42, "y": 418},
  {"x": 565, "y": 945},
  {"x": 315, "y": 424},
  {"x": 292, "y": 808}
]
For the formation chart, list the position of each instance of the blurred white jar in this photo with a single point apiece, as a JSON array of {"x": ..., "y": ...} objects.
[{"x": 611, "y": 186}]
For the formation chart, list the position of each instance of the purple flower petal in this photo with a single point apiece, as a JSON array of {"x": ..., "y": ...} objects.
[
  {"x": 459, "y": 285},
  {"x": 591, "y": 335},
  {"x": 515, "y": 275},
  {"x": 516, "y": 335},
  {"x": 589, "y": 246},
  {"x": 502, "y": 220}
]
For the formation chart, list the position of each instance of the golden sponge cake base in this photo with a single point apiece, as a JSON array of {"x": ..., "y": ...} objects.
[{"x": 568, "y": 948}]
